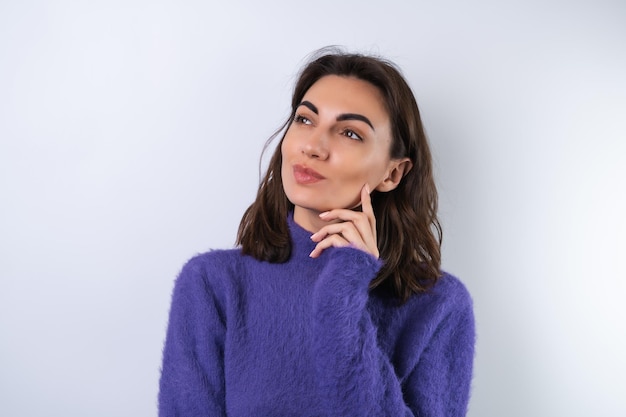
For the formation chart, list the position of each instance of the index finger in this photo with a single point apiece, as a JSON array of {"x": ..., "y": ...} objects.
[{"x": 366, "y": 206}]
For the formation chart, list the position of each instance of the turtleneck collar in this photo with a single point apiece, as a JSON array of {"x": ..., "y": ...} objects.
[{"x": 302, "y": 245}]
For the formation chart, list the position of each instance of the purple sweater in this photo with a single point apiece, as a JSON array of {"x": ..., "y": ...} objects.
[{"x": 307, "y": 338}]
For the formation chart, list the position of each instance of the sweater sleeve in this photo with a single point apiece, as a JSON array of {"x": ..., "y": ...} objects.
[
  {"x": 357, "y": 378},
  {"x": 440, "y": 383},
  {"x": 192, "y": 375}
]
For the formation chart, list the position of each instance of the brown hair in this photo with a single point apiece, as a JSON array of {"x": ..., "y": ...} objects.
[{"x": 408, "y": 231}]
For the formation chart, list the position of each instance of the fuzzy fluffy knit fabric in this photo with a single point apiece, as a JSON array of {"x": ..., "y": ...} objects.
[{"x": 307, "y": 338}]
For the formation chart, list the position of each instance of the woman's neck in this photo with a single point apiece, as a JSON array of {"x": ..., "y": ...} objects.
[{"x": 309, "y": 219}]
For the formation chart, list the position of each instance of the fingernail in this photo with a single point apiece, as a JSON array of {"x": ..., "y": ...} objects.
[
  {"x": 324, "y": 214},
  {"x": 367, "y": 188}
]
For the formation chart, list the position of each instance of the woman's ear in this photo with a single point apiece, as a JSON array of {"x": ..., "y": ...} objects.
[{"x": 398, "y": 168}]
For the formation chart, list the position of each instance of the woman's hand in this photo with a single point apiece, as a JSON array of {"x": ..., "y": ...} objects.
[{"x": 356, "y": 229}]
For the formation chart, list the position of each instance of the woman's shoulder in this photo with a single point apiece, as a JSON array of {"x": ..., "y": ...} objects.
[
  {"x": 214, "y": 268},
  {"x": 213, "y": 259},
  {"x": 451, "y": 289},
  {"x": 408, "y": 328},
  {"x": 448, "y": 296}
]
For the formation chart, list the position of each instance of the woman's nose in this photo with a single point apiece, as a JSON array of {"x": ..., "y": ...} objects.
[{"x": 316, "y": 146}]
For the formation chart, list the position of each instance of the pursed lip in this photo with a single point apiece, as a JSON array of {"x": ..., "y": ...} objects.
[{"x": 306, "y": 175}]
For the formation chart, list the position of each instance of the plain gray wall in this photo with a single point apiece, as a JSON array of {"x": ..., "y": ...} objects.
[{"x": 130, "y": 133}]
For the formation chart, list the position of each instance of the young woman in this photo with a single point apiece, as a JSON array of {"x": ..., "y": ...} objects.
[{"x": 334, "y": 303}]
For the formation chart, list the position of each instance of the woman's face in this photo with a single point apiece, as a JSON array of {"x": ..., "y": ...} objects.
[{"x": 339, "y": 140}]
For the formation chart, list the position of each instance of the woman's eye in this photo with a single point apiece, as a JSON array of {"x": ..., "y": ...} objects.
[
  {"x": 352, "y": 134},
  {"x": 301, "y": 119}
]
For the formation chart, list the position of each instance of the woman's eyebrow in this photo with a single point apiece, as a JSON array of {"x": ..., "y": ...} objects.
[
  {"x": 310, "y": 106},
  {"x": 354, "y": 116},
  {"x": 341, "y": 117}
]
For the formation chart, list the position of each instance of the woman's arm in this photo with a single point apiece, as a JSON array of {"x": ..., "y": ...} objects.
[
  {"x": 192, "y": 376},
  {"x": 357, "y": 378}
]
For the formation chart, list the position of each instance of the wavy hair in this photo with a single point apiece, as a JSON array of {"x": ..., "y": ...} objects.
[{"x": 408, "y": 230}]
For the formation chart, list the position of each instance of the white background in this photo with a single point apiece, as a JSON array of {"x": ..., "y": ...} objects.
[{"x": 130, "y": 135}]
